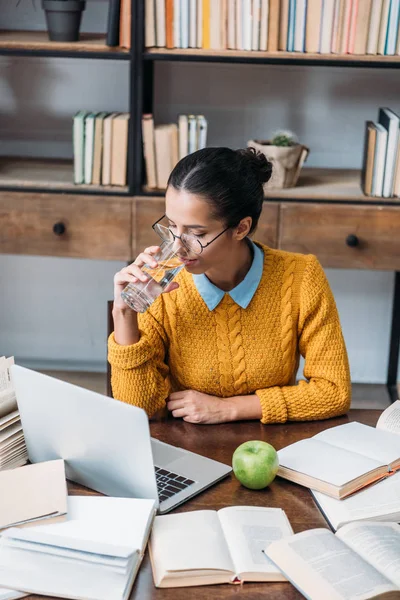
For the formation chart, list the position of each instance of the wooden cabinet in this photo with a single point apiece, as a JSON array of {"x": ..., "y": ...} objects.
[
  {"x": 77, "y": 226},
  {"x": 346, "y": 236}
]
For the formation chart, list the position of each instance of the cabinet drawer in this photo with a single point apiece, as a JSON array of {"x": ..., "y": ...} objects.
[
  {"x": 66, "y": 225},
  {"x": 347, "y": 236},
  {"x": 148, "y": 210}
]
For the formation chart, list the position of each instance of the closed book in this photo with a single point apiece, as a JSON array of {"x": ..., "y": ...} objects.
[
  {"x": 192, "y": 129},
  {"x": 201, "y": 133},
  {"x": 193, "y": 24},
  {"x": 342, "y": 460},
  {"x": 327, "y": 19},
  {"x": 185, "y": 24},
  {"x": 374, "y": 25},
  {"x": 183, "y": 136},
  {"x": 150, "y": 24},
  {"x": 149, "y": 150},
  {"x": 125, "y": 23},
  {"x": 391, "y": 122},
  {"x": 313, "y": 25},
  {"x": 362, "y": 27},
  {"x": 379, "y": 160},
  {"x": 169, "y": 24},
  {"x": 300, "y": 26},
  {"x": 98, "y": 148},
  {"x": 200, "y": 23},
  {"x": 206, "y": 24},
  {"x": 107, "y": 149},
  {"x": 247, "y": 24},
  {"x": 161, "y": 37},
  {"x": 383, "y": 27},
  {"x": 119, "y": 149},
  {"x": 291, "y": 25},
  {"x": 283, "y": 24},
  {"x": 164, "y": 153},
  {"x": 393, "y": 27},
  {"x": 89, "y": 147},
  {"x": 353, "y": 25},
  {"x": 360, "y": 560},
  {"x": 368, "y": 158},
  {"x": 224, "y": 24},
  {"x": 206, "y": 547},
  {"x": 396, "y": 183},
  {"x": 256, "y": 23},
  {"x": 177, "y": 24},
  {"x": 78, "y": 135},
  {"x": 215, "y": 25},
  {"x": 335, "y": 27},
  {"x": 33, "y": 493},
  {"x": 273, "y": 25},
  {"x": 113, "y": 23},
  {"x": 345, "y": 28},
  {"x": 239, "y": 24},
  {"x": 231, "y": 40},
  {"x": 264, "y": 19}
]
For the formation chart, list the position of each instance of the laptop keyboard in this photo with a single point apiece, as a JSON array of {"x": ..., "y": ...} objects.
[{"x": 169, "y": 484}]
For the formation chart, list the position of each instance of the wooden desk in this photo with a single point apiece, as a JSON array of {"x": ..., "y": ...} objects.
[{"x": 219, "y": 442}]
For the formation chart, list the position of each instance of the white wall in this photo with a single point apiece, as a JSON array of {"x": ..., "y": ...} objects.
[{"x": 53, "y": 311}]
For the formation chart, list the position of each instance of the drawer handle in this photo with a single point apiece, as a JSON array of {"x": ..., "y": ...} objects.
[
  {"x": 352, "y": 240},
  {"x": 59, "y": 228}
]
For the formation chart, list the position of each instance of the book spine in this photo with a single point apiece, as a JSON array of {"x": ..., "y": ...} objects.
[
  {"x": 199, "y": 23},
  {"x": 273, "y": 26},
  {"x": 113, "y": 23},
  {"x": 193, "y": 24},
  {"x": 161, "y": 40},
  {"x": 313, "y": 26},
  {"x": 300, "y": 26},
  {"x": 255, "y": 34},
  {"x": 247, "y": 24},
  {"x": 177, "y": 24},
  {"x": 184, "y": 24},
  {"x": 239, "y": 25},
  {"x": 206, "y": 25},
  {"x": 169, "y": 23},
  {"x": 283, "y": 24},
  {"x": 231, "y": 25},
  {"x": 264, "y": 25},
  {"x": 374, "y": 25}
]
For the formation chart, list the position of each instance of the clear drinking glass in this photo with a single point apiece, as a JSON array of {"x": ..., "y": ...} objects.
[{"x": 140, "y": 295}]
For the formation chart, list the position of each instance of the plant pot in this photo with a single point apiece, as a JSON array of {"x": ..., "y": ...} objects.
[
  {"x": 63, "y": 19},
  {"x": 286, "y": 162}
]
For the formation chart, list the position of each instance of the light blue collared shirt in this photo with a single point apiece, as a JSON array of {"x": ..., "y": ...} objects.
[{"x": 242, "y": 294}]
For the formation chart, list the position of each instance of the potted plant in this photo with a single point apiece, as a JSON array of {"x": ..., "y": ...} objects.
[
  {"x": 63, "y": 19},
  {"x": 287, "y": 157}
]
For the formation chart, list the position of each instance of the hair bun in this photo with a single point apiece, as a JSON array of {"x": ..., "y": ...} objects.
[{"x": 258, "y": 162}]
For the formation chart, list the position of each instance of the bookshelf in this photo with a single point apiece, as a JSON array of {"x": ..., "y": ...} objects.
[{"x": 41, "y": 191}]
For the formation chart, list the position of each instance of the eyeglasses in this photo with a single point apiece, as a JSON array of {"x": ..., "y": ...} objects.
[{"x": 190, "y": 242}]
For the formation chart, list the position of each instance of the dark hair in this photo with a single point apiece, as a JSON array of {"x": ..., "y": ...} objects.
[{"x": 231, "y": 181}]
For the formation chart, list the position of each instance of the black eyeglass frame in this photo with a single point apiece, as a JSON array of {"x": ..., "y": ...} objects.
[{"x": 178, "y": 237}]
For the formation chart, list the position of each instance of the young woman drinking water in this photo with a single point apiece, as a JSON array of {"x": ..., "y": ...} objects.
[{"x": 223, "y": 342}]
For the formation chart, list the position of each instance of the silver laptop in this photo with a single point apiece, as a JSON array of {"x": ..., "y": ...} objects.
[{"x": 106, "y": 444}]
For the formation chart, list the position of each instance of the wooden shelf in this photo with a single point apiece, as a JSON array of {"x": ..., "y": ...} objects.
[
  {"x": 326, "y": 185},
  {"x": 37, "y": 42},
  {"x": 46, "y": 175},
  {"x": 243, "y": 56}
]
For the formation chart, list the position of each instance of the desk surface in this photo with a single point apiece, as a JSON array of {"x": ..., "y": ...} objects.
[{"x": 219, "y": 442}]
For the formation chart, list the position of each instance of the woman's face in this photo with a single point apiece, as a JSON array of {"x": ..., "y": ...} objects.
[{"x": 190, "y": 214}]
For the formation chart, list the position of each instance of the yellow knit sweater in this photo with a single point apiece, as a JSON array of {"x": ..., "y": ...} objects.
[{"x": 232, "y": 351}]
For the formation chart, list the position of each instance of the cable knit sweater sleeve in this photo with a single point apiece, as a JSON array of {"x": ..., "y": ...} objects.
[
  {"x": 139, "y": 374},
  {"x": 327, "y": 391}
]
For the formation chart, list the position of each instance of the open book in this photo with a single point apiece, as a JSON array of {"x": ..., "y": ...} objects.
[
  {"x": 94, "y": 555},
  {"x": 33, "y": 492},
  {"x": 13, "y": 451},
  {"x": 379, "y": 502},
  {"x": 206, "y": 547},
  {"x": 359, "y": 562},
  {"x": 346, "y": 458}
]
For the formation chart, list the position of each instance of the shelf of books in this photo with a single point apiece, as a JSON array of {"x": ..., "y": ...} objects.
[
  {"x": 37, "y": 42},
  {"x": 48, "y": 175}
]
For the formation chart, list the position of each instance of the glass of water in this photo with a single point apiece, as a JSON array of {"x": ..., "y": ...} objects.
[{"x": 141, "y": 294}]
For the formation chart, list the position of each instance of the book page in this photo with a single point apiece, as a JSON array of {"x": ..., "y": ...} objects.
[
  {"x": 381, "y": 500},
  {"x": 10, "y": 594},
  {"x": 390, "y": 418},
  {"x": 325, "y": 462},
  {"x": 364, "y": 440},
  {"x": 378, "y": 543},
  {"x": 248, "y": 531},
  {"x": 321, "y": 565},
  {"x": 190, "y": 542}
]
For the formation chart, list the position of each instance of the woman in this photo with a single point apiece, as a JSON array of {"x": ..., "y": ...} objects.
[{"x": 223, "y": 343}]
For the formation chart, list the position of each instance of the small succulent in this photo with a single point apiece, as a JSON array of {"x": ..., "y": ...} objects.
[{"x": 284, "y": 138}]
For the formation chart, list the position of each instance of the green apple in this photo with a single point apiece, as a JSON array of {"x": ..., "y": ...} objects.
[{"x": 255, "y": 464}]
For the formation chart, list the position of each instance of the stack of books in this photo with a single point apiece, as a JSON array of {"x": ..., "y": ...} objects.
[
  {"x": 315, "y": 26},
  {"x": 165, "y": 145},
  {"x": 13, "y": 451},
  {"x": 94, "y": 554},
  {"x": 380, "y": 175},
  {"x": 100, "y": 148},
  {"x": 119, "y": 23}
]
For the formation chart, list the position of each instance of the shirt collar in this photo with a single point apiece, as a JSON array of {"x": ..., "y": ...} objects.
[{"x": 242, "y": 294}]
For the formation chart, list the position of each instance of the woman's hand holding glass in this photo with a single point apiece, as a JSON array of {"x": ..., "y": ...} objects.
[{"x": 133, "y": 273}]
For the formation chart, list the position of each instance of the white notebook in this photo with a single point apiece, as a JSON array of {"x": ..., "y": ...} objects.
[{"x": 94, "y": 555}]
